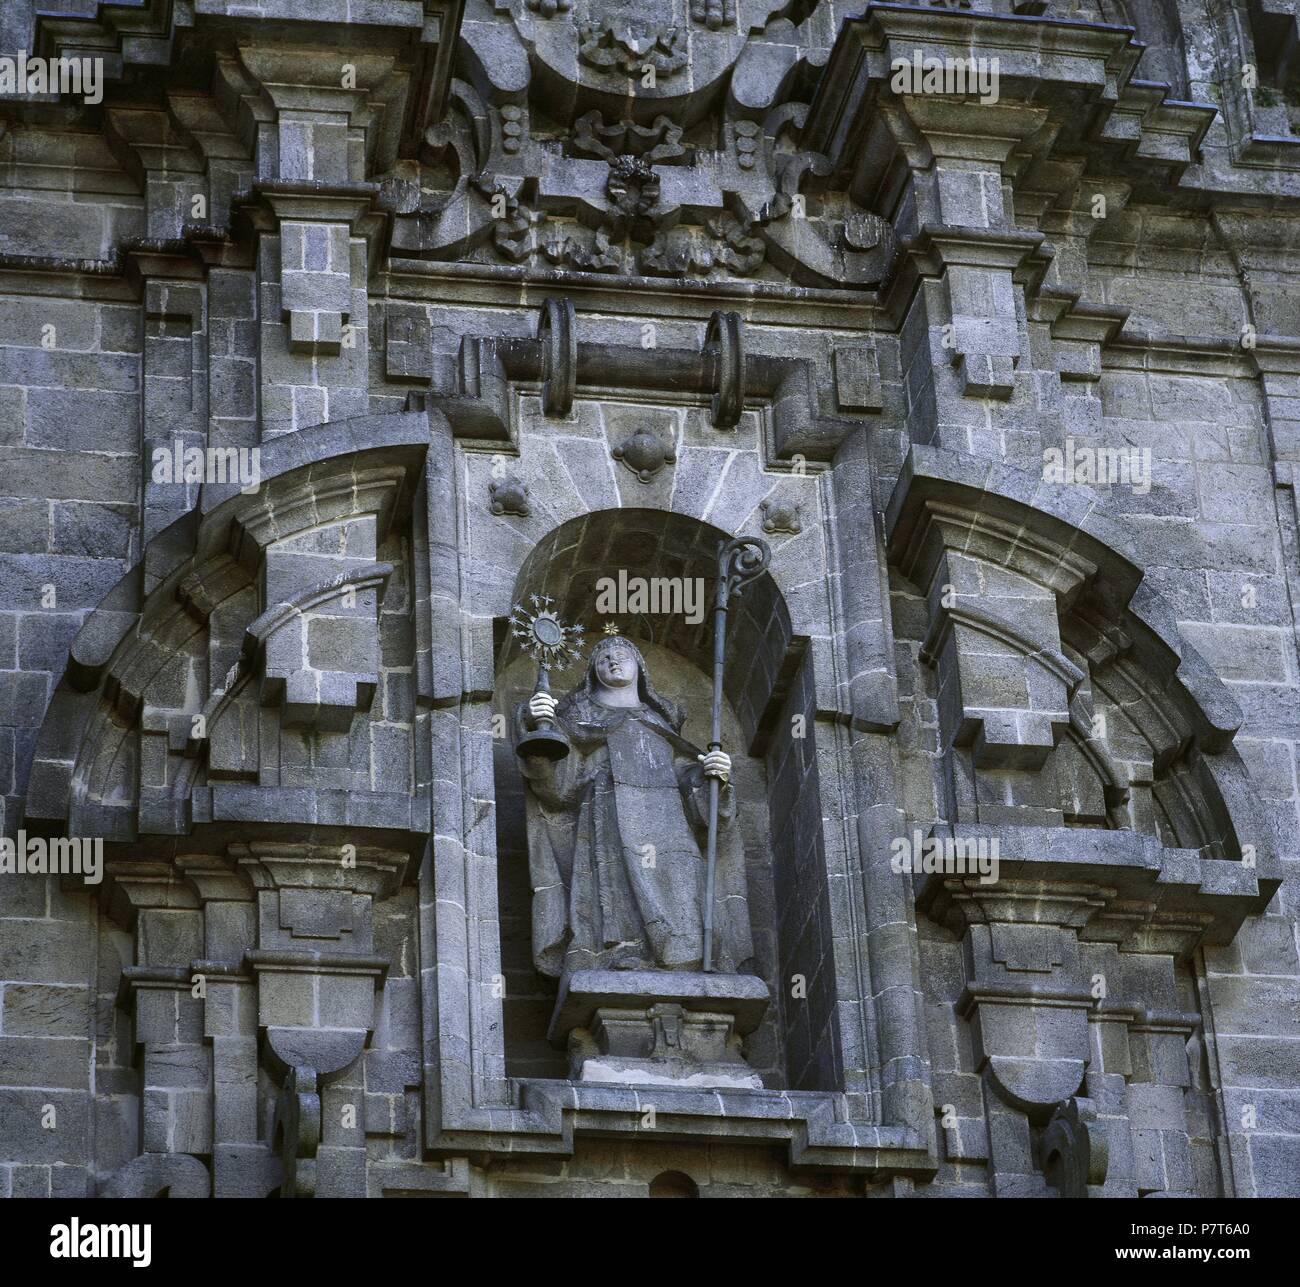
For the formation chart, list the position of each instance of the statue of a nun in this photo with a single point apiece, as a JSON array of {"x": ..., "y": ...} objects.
[{"x": 617, "y": 830}]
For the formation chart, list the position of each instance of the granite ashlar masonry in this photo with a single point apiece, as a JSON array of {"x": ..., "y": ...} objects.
[{"x": 500, "y": 302}]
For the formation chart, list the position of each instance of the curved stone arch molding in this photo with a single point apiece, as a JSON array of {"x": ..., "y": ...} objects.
[
  {"x": 157, "y": 1175},
  {"x": 367, "y": 465},
  {"x": 762, "y": 629},
  {"x": 463, "y": 221},
  {"x": 256, "y": 634},
  {"x": 801, "y": 567},
  {"x": 1005, "y": 631},
  {"x": 1066, "y": 541},
  {"x": 1062, "y": 525}
]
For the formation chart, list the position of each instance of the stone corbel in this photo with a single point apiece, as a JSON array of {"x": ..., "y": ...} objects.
[
  {"x": 1029, "y": 1005},
  {"x": 315, "y": 284},
  {"x": 317, "y": 225},
  {"x": 1069, "y": 948},
  {"x": 1026, "y": 993},
  {"x": 395, "y": 102},
  {"x": 933, "y": 161},
  {"x": 980, "y": 269},
  {"x": 318, "y": 978},
  {"x": 242, "y": 1164},
  {"x": 198, "y": 1060},
  {"x": 167, "y": 1017},
  {"x": 318, "y": 899}
]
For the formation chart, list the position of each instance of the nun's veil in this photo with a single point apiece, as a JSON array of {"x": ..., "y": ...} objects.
[{"x": 581, "y": 707}]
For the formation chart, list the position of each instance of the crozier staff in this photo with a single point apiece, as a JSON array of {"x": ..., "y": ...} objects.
[{"x": 740, "y": 560}]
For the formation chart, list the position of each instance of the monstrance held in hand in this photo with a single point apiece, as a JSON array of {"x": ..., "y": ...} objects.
[{"x": 553, "y": 645}]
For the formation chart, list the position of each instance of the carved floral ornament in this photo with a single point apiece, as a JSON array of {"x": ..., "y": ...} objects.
[
  {"x": 633, "y": 48},
  {"x": 712, "y": 14},
  {"x": 476, "y": 194},
  {"x": 781, "y": 516},
  {"x": 509, "y": 496}
]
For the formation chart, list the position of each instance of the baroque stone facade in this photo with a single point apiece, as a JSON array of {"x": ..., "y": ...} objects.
[{"x": 331, "y": 333}]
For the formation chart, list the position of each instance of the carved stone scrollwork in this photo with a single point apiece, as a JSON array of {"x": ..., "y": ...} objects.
[
  {"x": 724, "y": 346},
  {"x": 1075, "y": 1150},
  {"x": 512, "y": 230},
  {"x": 655, "y": 143},
  {"x": 555, "y": 329},
  {"x": 298, "y": 1132},
  {"x": 722, "y": 243},
  {"x": 630, "y": 47}
]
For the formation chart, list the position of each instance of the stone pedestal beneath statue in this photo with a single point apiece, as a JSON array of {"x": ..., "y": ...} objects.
[{"x": 659, "y": 1028}]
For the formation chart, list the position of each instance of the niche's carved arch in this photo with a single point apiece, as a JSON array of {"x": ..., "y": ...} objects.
[{"x": 764, "y": 647}]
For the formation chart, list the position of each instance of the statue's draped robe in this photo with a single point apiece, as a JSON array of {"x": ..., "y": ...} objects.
[{"x": 616, "y": 844}]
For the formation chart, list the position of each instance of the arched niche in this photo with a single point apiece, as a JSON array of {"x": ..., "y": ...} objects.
[
  {"x": 673, "y": 1184},
  {"x": 236, "y": 675},
  {"x": 767, "y": 728},
  {"x": 1067, "y": 700},
  {"x": 568, "y": 563}
]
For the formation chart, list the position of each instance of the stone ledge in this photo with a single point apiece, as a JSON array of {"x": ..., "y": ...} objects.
[
  {"x": 1160, "y": 886},
  {"x": 812, "y": 1124}
]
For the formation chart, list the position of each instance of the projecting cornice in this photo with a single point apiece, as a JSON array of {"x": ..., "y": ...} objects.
[
  {"x": 134, "y": 41},
  {"x": 1063, "y": 89}
]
